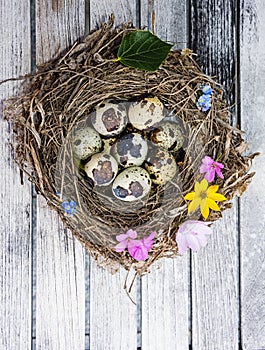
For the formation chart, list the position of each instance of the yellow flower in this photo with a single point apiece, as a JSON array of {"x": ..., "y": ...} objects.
[{"x": 204, "y": 197}]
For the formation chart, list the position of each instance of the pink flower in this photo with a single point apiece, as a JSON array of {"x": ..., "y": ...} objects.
[
  {"x": 210, "y": 167},
  {"x": 124, "y": 240},
  {"x": 192, "y": 234},
  {"x": 138, "y": 249}
]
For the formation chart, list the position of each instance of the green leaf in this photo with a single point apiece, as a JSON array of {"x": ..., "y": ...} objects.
[{"x": 143, "y": 50}]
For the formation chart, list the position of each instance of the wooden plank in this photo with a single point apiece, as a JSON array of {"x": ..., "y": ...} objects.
[
  {"x": 60, "y": 290},
  {"x": 113, "y": 321},
  {"x": 167, "y": 19},
  {"x": 252, "y": 218},
  {"x": 165, "y": 313},
  {"x": 215, "y": 292},
  {"x": 15, "y": 199},
  {"x": 123, "y": 11},
  {"x": 215, "y": 289},
  {"x": 165, "y": 309}
]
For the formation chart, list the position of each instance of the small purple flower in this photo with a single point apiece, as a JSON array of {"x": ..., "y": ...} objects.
[
  {"x": 207, "y": 90},
  {"x": 192, "y": 234},
  {"x": 69, "y": 207},
  {"x": 124, "y": 240},
  {"x": 148, "y": 240},
  {"x": 137, "y": 248},
  {"x": 210, "y": 168}
]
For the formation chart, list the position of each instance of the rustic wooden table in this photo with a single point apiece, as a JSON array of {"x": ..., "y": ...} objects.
[{"x": 52, "y": 295}]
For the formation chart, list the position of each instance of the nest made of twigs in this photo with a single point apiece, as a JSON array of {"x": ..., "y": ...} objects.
[{"x": 64, "y": 91}]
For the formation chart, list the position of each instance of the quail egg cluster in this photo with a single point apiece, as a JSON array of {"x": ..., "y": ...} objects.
[{"x": 128, "y": 147}]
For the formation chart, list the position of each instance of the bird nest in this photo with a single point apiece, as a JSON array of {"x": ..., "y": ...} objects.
[{"x": 61, "y": 98}]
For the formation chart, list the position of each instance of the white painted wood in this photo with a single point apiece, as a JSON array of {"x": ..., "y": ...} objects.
[
  {"x": 215, "y": 294},
  {"x": 252, "y": 248},
  {"x": 113, "y": 321},
  {"x": 123, "y": 11},
  {"x": 60, "y": 289},
  {"x": 215, "y": 289},
  {"x": 15, "y": 199},
  {"x": 60, "y": 292},
  {"x": 165, "y": 292},
  {"x": 168, "y": 19},
  {"x": 112, "y": 313},
  {"x": 165, "y": 313}
]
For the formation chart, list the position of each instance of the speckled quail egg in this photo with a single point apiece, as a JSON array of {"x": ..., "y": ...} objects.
[
  {"x": 146, "y": 113},
  {"x": 130, "y": 150},
  {"x": 161, "y": 166},
  {"x": 101, "y": 169},
  {"x": 110, "y": 117},
  {"x": 86, "y": 142},
  {"x": 169, "y": 136},
  {"x": 132, "y": 184}
]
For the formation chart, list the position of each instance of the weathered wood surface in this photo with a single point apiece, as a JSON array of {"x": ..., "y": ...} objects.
[
  {"x": 60, "y": 259},
  {"x": 167, "y": 288},
  {"x": 15, "y": 200},
  {"x": 215, "y": 294},
  {"x": 213, "y": 300},
  {"x": 113, "y": 317},
  {"x": 252, "y": 209}
]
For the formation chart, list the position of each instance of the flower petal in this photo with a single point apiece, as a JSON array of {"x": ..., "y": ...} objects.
[
  {"x": 217, "y": 197},
  {"x": 121, "y": 237},
  {"x": 182, "y": 243},
  {"x": 202, "y": 240},
  {"x": 204, "y": 168},
  {"x": 194, "y": 204},
  {"x": 219, "y": 173},
  {"x": 120, "y": 247},
  {"x": 202, "y": 229},
  {"x": 197, "y": 187},
  {"x": 208, "y": 160},
  {"x": 148, "y": 241},
  {"x": 219, "y": 165},
  {"x": 209, "y": 176},
  {"x": 204, "y": 210},
  {"x": 204, "y": 185},
  {"x": 131, "y": 233},
  {"x": 212, "y": 189},
  {"x": 137, "y": 250},
  {"x": 207, "y": 90},
  {"x": 190, "y": 196},
  {"x": 193, "y": 242},
  {"x": 212, "y": 205}
]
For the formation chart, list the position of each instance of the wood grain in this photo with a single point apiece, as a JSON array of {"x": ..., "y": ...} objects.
[
  {"x": 112, "y": 314},
  {"x": 215, "y": 293},
  {"x": 213, "y": 38},
  {"x": 123, "y": 11},
  {"x": 165, "y": 312},
  {"x": 60, "y": 290},
  {"x": 15, "y": 199},
  {"x": 252, "y": 248},
  {"x": 165, "y": 292},
  {"x": 113, "y": 321},
  {"x": 168, "y": 19},
  {"x": 57, "y": 27}
]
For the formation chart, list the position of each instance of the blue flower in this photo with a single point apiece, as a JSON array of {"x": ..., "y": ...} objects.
[
  {"x": 69, "y": 207},
  {"x": 204, "y": 102},
  {"x": 207, "y": 90},
  {"x": 203, "y": 99}
]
